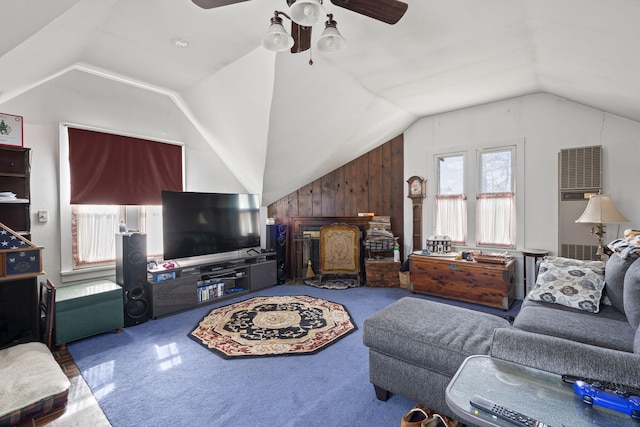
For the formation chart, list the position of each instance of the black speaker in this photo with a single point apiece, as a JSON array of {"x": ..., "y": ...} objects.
[
  {"x": 131, "y": 274},
  {"x": 277, "y": 242}
]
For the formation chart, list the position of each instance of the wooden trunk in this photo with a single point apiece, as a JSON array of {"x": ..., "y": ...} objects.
[
  {"x": 382, "y": 273},
  {"x": 481, "y": 283}
]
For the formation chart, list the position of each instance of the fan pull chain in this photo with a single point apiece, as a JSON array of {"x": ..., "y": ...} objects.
[{"x": 310, "y": 56}]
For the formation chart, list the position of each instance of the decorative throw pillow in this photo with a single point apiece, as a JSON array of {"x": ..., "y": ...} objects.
[
  {"x": 597, "y": 267},
  {"x": 569, "y": 285}
]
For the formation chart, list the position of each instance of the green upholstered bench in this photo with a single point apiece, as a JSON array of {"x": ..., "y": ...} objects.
[{"x": 87, "y": 309}]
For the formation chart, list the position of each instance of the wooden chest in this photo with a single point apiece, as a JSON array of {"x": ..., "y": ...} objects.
[
  {"x": 481, "y": 283},
  {"x": 382, "y": 272}
]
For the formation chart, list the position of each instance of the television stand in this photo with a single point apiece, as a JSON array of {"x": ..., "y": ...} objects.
[{"x": 209, "y": 283}]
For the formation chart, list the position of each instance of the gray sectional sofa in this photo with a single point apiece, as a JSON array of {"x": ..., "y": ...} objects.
[{"x": 416, "y": 345}]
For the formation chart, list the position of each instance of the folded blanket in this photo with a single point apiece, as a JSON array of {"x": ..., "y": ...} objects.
[{"x": 629, "y": 245}]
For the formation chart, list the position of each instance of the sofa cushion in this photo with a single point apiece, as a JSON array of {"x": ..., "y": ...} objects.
[
  {"x": 562, "y": 357},
  {"x": 572, "y": 284},
  {"x": 636, "y": 342},
  {"x": 609, "y": 328},
  {"x": 430, "y": 334},
  {"x": 632, "y": 294},
  {"x": 614, "y": 279}
]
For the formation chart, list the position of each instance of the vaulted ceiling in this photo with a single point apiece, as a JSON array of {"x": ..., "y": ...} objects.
[{"x": 258, "y": 109}]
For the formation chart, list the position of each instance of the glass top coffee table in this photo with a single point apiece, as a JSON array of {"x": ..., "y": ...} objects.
[{"x": 537, "y": 394}]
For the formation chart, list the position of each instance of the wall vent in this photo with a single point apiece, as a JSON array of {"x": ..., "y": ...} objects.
[
  {"x": 581, "y": 168},
  {"x": 579, "y": 176},
  {"x": 583, "y": 252}
]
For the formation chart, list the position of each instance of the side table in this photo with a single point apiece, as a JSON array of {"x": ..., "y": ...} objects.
[
  {"x": 535, "y": 393},
  {"x": 535, "y": 254}
]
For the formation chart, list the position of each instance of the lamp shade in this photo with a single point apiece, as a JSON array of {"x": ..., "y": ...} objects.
[
  {"x": 331, "y": 40},
  {"x": 307, "y": 12},
  {"x": 601, "y": 210},
  {"x": 277, "y": 39}
]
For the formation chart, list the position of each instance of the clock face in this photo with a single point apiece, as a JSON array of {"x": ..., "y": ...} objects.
[{"x": 416, "y": 188}]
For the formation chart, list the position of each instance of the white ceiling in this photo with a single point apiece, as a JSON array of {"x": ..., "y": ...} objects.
[{"x": 261, "y": 110}]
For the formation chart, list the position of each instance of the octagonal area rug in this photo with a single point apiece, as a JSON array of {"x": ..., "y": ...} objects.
[{"x": 273, "y": 326}]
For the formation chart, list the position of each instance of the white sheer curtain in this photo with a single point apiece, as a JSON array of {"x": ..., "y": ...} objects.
[
  {"x": 94, "y": 231},
  {"x": 451, "y": 217},
  {"x": 495, "y": 219}
]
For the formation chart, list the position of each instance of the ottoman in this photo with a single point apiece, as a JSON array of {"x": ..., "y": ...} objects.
[
  {"x": 416, "y": 346},
  {"x": 87, "y": 309}
]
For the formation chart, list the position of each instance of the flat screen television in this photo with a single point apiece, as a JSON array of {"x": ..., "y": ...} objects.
[{"x": 195, "y": 224}]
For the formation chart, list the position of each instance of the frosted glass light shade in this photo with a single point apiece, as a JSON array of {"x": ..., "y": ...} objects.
[
  {"x": 331, "y": 40},
  {"x": 307, "y": 12},
  {"x": 277, "y": 39},
  {"x": 601, "y": 210}
]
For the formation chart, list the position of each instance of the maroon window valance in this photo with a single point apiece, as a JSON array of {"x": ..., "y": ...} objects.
[{"x": 109, "y": 169}]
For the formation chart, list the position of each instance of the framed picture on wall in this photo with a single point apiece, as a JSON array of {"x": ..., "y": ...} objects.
[{"x": 11, "y": 130}]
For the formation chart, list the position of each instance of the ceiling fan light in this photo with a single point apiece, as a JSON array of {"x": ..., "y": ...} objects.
[
  {"x": 331, "y": 41},
  {"x": 277, "y": 39},
  {"x": 307, "y": 12}
]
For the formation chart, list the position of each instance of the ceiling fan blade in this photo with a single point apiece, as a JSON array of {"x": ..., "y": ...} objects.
[
  {"x": 301, "y": 38},
  {"x": 210, "y": 4},
  {"x": 389, "y": 11}
]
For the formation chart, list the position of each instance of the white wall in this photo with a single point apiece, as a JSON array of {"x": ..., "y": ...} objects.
[
  {"x": 547, "y": 123},
  {"x": 85, "y": 99}
]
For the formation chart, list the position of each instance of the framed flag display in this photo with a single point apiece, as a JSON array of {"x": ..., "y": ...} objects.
[{"x": 18, "y": 256}]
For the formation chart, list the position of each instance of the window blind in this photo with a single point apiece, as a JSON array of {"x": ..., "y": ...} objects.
[{"x": 108, "y": 169}]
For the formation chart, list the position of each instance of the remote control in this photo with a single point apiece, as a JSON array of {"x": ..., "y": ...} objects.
[
  {"x": 618, "y": 389},
  {"x": 593, "y": 396},
  {"x": 506, "y": 414}
]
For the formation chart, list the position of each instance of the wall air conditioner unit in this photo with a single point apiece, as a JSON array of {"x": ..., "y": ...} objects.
[{"x": 580, "y": 176}]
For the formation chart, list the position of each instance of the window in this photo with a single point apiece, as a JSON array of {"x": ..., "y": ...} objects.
[
  {"x": 94, "y": 228},
  {"x": 490, "y": 174},
  {"x": 495, "y": 207},
  {"x": 451, "y": 205},
  {"x": 105, "y": 179}
]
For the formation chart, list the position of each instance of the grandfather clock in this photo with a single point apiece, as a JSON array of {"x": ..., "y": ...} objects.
[{"x": 417, "y": 192}]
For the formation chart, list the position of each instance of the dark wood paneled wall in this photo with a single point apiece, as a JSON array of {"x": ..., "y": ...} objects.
[{"x": 373, "y": 182}]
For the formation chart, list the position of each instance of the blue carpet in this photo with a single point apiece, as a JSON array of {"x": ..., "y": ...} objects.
[{"x": 154, "y": 375}]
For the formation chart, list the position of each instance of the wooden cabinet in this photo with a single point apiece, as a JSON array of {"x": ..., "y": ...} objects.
[
  {"x": 15, "y": 168},
  {"x": 481, "y": 283},
  {"x": 383, "y": 272},
  {"x": 19, "y": 318},
  {"x": 20, "y": 260}
]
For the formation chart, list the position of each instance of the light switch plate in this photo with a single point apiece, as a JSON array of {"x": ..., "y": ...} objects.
[{"x": 43, "y": 216}]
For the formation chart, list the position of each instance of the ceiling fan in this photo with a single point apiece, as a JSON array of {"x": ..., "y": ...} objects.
[{"x": 388, "y": 11}]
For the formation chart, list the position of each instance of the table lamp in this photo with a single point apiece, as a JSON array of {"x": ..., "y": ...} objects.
[{"x": 600, "y": 210}]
